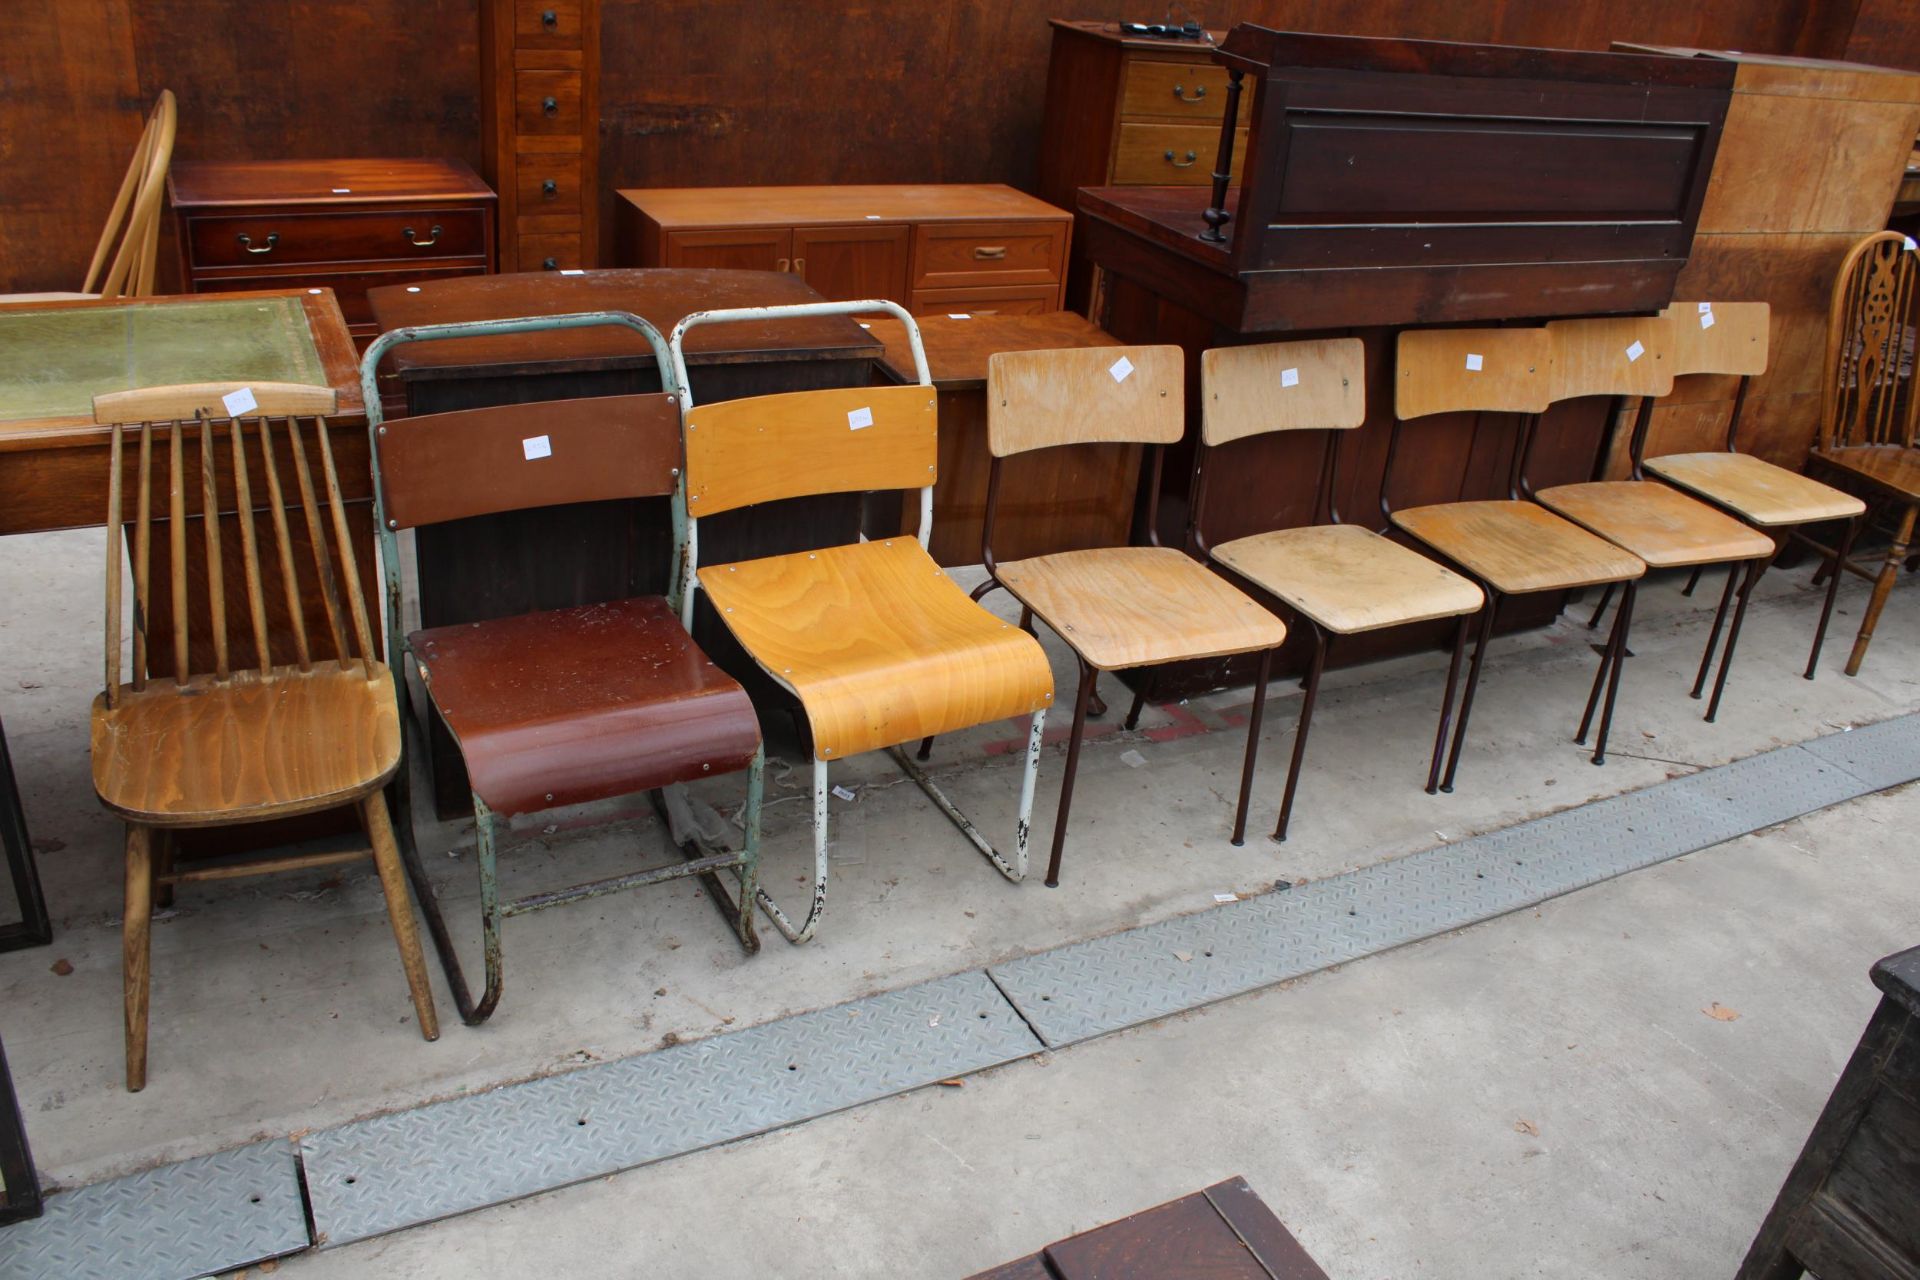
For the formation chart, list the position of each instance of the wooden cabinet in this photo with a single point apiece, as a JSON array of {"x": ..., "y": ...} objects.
[
  {"x": 345, "y": 225},
  {"x": 985, "y": 249},
  {"x": 539, "y": 129}
]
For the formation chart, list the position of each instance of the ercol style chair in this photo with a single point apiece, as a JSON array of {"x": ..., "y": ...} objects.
[
  {"x": 1338, "y": 579},
  {"x": 1509, "y": 546},
  {"x": 1116, "y": 607},
  {"x": 1730, "y": 338},
  {"x": 1868, "y": 404},
  {"x": 1667, "y": 529},
  {"x": 129, "y": 250},
  {"x": 877, "y": 643},
  {"x": 256, "y": 738},
  {"x": 563, "y": 706}
]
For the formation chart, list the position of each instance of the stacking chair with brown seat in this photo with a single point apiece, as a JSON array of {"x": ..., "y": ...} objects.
[
  {"x": 1730, "y": 338},
  {"x": 563, "y": 706},
  {"x": 1116, "y": 607},
  {"x": 879, "y": 646},
  {"x": 263, "y": 735},
  {"x": 1338, "y": 579},
  {"x": 1509, "y": 546},
  {"x": 1869, "y": 407},
  {"x": 1632, "y": 356}
]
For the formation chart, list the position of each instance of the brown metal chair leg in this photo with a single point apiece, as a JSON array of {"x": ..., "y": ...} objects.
[
  {"x": 1087, "y": 675},
  {"x": 1606, "y": 598},
  {"x": 1693, "y": 580},
  {"x": 1253, "y": 746},
  {"x": 1314, "y": 669},
  {"x": 1600, "y": 674},
  {"x": 1473, "y": 683},
  {"x": 1754, "y": 571},
  {"x": 1833, "y": 590},
  {"x": 1446, "y": 702},
  {"x": 1713, "y": 633},
  {"x": 1622, "y": 625},
  {"x": 136, "y": 932},
  {"x": 1882, "y": 587}
]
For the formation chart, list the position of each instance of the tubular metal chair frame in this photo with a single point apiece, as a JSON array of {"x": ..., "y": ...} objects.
[
  {"x": 700, "y": 857},
  {"x": 1014, "y": 868}
]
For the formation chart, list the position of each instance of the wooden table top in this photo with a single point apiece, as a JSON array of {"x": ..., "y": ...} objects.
[
  {"x": 704, "y": 208},
  {"x": 663, "y": 295},
  {"x": 226, "y": 183},
  {"x": 55, "y": 356},
  {"x": 957, "y": 350}
]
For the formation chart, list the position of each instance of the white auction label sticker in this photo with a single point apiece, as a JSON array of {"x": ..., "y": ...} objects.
[
  {"x": 1911, "y": 245},
  {"x": 343, "y": 191},
  {"x": 1706, "y": 319},
  {"x": 536, "y": 447},
  {"x": 1121, "y": 369},
  {"x": 1706, "y": 306},
  {"x": 1474, "y": 361},
  {"x": 1289, "y": 377},
  {"x": 858, "y": 418},
  {"x": 572, "y": 271},
  {"x": 239, "y": 402},
  {"x": 959, "y": 315},
  {"x": 1634, "y": 352},
  {"x": 873, "y": 217},
  {"x": 846, "y": 794}
]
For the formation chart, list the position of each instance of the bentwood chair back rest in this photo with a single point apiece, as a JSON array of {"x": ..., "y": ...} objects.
[
  {"x": 1316, "y": 385},
  {"x": 1718, "y": 337},
  {"x": 1090, "y": 395},
  {"x": 843, "y": 440},
  {"x": 138, "y": 203},
  {"x": 1867, "y": 395},
  {"x": 516, "y": 457},
  {"x": 269, "y": 451},
  {"x": 1467, "y": 370},
  {"x": 1611, "y": 356}
]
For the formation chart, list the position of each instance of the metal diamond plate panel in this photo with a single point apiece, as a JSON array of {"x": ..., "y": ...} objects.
[
  {"x": 200, "y": 1217},
  {"x": 1880, "y": 755},
  {"x": 398, "y": 1170},
  {"x": 1090, "y": 988}
]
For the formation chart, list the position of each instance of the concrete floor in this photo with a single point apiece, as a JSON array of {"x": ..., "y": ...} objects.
[{"x": 278, "y": 1005}]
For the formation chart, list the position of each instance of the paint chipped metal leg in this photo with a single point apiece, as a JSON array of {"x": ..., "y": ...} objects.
[
  {"x": 819, "y": 903},
  {"x": 1014, "y": 868},
  {"x": 490, "y": 916},
  {"x": 1314, "y": 668},
  {"x": 1713, "y": 633}
]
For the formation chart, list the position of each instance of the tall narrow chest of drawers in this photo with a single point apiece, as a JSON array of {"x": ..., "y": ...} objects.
[{"x": 540, "y": 129}]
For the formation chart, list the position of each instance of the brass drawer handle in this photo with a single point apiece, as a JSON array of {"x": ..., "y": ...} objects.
[
  {"x": 549, "y": 188},
  {"x": 990, "y": 252},
  {"x": 551, "y": 106},
  {"x": 1180, "y": 92},
  {"x": 800, "y": 266},
  {"x": 1182, "y": 164},
  {"x": 433, "y": 237},
  {"x": 780, "y": 264},
  {"x": 246, "y": 242}
]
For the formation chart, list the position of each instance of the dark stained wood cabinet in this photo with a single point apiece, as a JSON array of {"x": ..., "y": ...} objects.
[{"x": 540, "y": 129}]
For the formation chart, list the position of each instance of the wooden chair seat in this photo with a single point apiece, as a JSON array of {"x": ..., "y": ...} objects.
[
  {"x": 1349, "y": 579},
  {"x": 580, "y": 704},
  {"x": 1120, "y": 607},
  {"x": 880, "y": 646},
  {"x": 1518, "y": 547},
  {"x": 1894, "y": 469},
  {"x": 1765, "y": 494},
  {"x": 248, "y": 748},
  {"x": 1662, "y": 526}
]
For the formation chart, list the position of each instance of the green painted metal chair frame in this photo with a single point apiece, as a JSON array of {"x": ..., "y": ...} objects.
[{"x": 700, "y": 858}]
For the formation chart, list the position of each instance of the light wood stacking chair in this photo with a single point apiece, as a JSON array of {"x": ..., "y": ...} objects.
[
  {"x": 1622, "y": 358},
  {"x": 1730, "y": 338},
  {"x": 877, "y": 643},
  {"x": 262, "y": 735},
  {"x": 563, "y": 706},
  {"x": 1509, "y": 546},
  {"x": 1869, "y": 406},
  {"x": 1337, "y": 579},
  {"x": 1116, "y": 607}
]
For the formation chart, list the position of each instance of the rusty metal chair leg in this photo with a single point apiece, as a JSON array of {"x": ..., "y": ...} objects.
[
  {"x": 1315, "y": 667},
  {"x": 1253, "y": 745},
  {"x": 1446, "y": 702},
  {"x": 1833, "y": 589},
  {"x": 1754, "y": 571},
  {"x": 1473, "y": 683},
  {"x": 1087, "y": 677},
  {"x": 1014, "y": 868},
  {"x": 1713, "y": 632},
  {"x": 819, "y": 903},
  {"x": 486, "y": 861}
]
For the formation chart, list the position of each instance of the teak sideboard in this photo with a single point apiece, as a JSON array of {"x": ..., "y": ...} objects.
[{"x": 933, "y": 249}]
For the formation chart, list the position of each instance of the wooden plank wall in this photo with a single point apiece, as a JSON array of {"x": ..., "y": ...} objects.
[{"x": 695, "y": 92}]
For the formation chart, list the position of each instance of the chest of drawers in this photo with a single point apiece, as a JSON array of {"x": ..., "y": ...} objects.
[
  {"x": 345, "y": 225},
  {"x": 539, "y": 129}
]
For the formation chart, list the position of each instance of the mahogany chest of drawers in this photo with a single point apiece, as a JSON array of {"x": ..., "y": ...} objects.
[
  {"x": 345, "y": 225},
  {"x": 540, "y": 129}
]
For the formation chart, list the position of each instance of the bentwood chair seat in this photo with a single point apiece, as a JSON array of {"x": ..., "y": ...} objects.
[
  {"x": 1662, "y": 526},
  {"x": 248, "y": 748},
  {"x": 1347, "y": 578},
  {"x": 1120, "y": 607},
  {"x": 571, "y": 705},
  {"x": 1759, "y": 491},
  {"x": 878, "y": 643},
  {"x": 1517, "y": 547}
]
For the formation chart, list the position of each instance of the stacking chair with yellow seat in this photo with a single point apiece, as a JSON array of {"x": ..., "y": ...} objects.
[
  {"x": 1632, "y": 356},
  {"x": 1509, "y": 546},
  {"x": 1116, "y": 607},
  {"x": 1869, "y": 407},
  {"x": 561, "y": 706},
  {"x": 259, "y": 737},
  {"x": 1338, "y": 579},
  {"x": 1730, "y": 338},
  {"x": 877, "y": 643}
]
